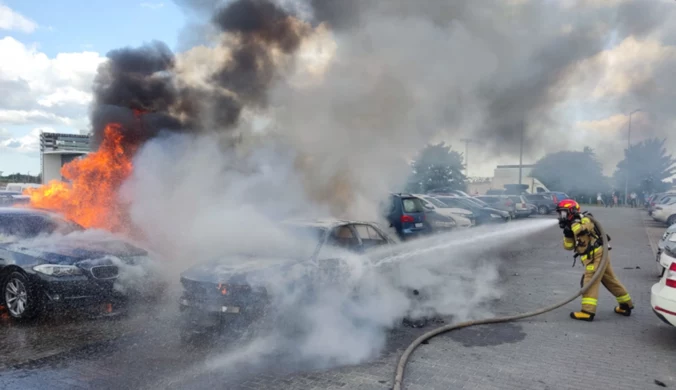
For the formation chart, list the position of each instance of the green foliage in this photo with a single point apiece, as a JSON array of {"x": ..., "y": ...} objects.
[
  {"x": 646, "y": 164},
  {"x": 576, "y": 173},
  {"x": 435, "y": 167}
]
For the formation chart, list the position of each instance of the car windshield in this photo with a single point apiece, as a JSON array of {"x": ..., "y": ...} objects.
[
  {"x": 31, "y": 226},
  {"x": 476, "y": 201},
  {"x": 438, "y": 203},
  {"x": 412, "y": 205}
]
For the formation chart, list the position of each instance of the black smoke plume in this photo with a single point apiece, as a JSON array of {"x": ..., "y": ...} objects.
[{"x": 141, "y": 88}]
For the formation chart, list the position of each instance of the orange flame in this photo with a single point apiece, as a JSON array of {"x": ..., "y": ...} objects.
[{"x": 91, "y": 197}]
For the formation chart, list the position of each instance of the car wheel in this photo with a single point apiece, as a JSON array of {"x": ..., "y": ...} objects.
[
  {"x": 21, "y": 302},
  {"x": 543, "y": 210},
  {"x": 671, "y": 220}
]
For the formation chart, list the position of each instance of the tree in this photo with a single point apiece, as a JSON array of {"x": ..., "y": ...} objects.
[
  {"x": 576, "y": 173},
  {"x": 647, "y": 165},
  {"x": 436, "y": 167}
]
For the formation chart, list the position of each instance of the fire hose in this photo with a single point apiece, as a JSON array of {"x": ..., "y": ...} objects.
[{"x": 401, "y": 366}]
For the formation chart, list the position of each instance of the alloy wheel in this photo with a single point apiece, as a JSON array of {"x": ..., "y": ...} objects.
[{"x": 16, "y": 297}]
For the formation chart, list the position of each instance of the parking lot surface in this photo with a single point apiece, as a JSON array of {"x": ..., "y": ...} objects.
[{"x": 142, "y": 350}]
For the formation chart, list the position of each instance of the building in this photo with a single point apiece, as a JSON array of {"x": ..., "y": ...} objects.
[
  {"x": 507, "y": 174},
  {"x": 58, "y": 149}
]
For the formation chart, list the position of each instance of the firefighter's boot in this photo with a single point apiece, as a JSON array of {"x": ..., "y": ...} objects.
[
  {"x": 582, "y": 316},
  {"x": 624, "y": 309}
]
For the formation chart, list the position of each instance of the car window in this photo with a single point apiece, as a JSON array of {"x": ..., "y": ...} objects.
[
  {"x": 343, "y": 237},
  {"x": 412, "y": 205},
  {"x": 26, "y": 226},
  {"x": 369, "y": 236},
  {"x": 437, "y": 203}
]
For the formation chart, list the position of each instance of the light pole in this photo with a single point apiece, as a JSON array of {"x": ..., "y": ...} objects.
[
  {"x": 468, "y": 141},
  {"x": 626, "y": 168},
  {"x": 523, "y": 125}
]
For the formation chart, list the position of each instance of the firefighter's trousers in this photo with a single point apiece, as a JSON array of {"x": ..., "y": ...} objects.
[{"x": 609, "y": 280}]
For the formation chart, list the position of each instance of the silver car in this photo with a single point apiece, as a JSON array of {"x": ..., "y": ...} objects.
[{"x": 660, "y": 245}]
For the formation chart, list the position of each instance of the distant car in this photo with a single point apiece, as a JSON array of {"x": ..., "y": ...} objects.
[
  {"x": 533, "y": 208},
  {"x": 12, "y": 198},
  {"x": 545, "y": 203},
  {"x": 500, "y": 202},
  {"x": 65, "y": 272},
  {"x": 666, "y": 212},
  {"x": 406, "y": 214},
  {"x": 663, "y": 293},
  {"x": 235, "y": 291},
  {"x": 463, "y": 218},
  {"x": 483, "y": 214},
  {"x": 521, "y": 206},
  {"x": 556, "y": 196}
]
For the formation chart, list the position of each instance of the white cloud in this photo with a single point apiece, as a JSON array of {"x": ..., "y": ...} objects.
[
  {"x": 44, "y": 90},
  {"x": 152, "y": 5},
  {"x": 29, "y": 143},
  {"x": 22, "y": 117},
  {"x": 11, "y": 20}
]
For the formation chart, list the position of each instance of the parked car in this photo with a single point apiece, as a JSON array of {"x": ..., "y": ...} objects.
[
  {"x": 12, "y": 198},
  {"x": 500, "y": 202},
  {"x": 406, "y": 214},
  {"x": 556, "y": 196},
  {"x": 533, "y": 208},
  {"x": 68, "y": 271},
  {"x": 462, "y": 217},
  {"x": 521, "y": 206},
  {"x": 663, "y": 293},
  {"x": 233, "y": 292},
  {"x": 545, "y": 203},
  {"x": 483, "y": 214},
  {"x": 666, "y": 239},
  {"x": 666, "y": 212}
]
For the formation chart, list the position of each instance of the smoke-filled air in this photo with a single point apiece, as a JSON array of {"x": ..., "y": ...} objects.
[{"x": 313, "y": 109}]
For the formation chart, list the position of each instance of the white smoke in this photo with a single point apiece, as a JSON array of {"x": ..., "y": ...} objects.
[{"x": 198, "y": 204}]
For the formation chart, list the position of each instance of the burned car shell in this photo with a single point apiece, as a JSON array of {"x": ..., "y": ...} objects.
[
  {"x": 215, "y": 294},
  {"x": 93, "y": 283}
]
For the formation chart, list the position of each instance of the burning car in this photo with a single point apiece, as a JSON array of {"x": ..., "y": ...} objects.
[
  {"x": 235, "y": 291},
  {"x": 47, "y": 261}
]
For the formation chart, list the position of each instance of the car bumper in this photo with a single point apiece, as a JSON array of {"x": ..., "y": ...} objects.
[
  {"x": 75, "y": 291},
  {"x": 663, "y": 307},
  {"x": 199, "y": 314},
  {"x": 523, "y": 213},
  {"x": 658, "y": 215}
]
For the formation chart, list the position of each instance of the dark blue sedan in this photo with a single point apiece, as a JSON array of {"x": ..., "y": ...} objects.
[{"x": 47, "y": 261}]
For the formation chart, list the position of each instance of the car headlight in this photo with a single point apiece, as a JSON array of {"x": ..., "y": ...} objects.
[
  {"x": 57, "y": 270},
  {"x": 496, "y": 216}
]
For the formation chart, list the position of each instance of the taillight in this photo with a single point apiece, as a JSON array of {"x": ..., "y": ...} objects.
[
  {"x": 509, "y": 203},
  {"x": 556, "y": 200},
  {"x": 671, "y": 276},
  {"x": 524, "y": 205},
  {"x": 407, "y": 219}
]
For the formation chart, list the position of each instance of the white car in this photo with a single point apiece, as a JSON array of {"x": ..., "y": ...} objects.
[
  {"x": 663, "y": 293},
  {"x": 463, "y": 218},
  {"x": 666, "y": 212}
]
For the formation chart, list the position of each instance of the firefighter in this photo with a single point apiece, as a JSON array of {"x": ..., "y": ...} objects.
[{"x": 581, "y": 235}]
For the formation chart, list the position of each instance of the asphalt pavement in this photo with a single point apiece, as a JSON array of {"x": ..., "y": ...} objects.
[{"x": 552, "y": 351}]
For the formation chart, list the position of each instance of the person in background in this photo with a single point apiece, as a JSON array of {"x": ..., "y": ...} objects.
[
  {"x": 633, "y": 197},
  {"x": 599, "y": 199}
]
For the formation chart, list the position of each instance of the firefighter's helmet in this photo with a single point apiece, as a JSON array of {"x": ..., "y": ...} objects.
[{"x": 567, "y": 209}]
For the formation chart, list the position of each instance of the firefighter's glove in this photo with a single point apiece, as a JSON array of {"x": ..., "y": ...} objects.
[{"x": 568, "y": 232}]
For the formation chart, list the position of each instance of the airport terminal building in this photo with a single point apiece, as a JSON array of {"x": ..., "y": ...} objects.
[{"x": 58, "y": 149}]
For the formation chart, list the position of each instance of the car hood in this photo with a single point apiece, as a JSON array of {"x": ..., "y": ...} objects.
[
  {"x": 72, "y": 250},
  {"x": 238, "y": 269}
]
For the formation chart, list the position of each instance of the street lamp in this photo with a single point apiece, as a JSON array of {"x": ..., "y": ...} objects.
[{"x": 626, "y": 177}]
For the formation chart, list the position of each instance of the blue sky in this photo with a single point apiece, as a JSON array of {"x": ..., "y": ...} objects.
[{"x": 41, "y": 31}]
